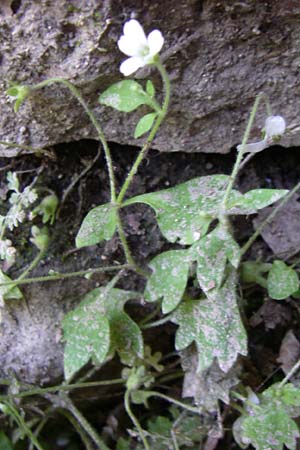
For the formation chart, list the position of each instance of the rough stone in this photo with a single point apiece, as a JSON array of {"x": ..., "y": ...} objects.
[{"x": 220, "y": 55}]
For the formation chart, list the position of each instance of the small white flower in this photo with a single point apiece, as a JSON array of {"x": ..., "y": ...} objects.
[
  {"x": 28, "y": 196},
  {"x": 7, "y": 251},
  {"x": 140, "y": 48},
  {"x": 274, "y": 129},
  {"x": 275, "y": 126}
]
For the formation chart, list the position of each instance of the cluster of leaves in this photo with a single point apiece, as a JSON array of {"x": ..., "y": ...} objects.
[
  {"x": 184, "y": 214},
  {"x": 267, "y": 421},
  {"x": 281, "y": 281},
  {"x": 185, "y": 429},
  {"x": 19, "y": 201},
  {"x": 128, "y": 95},
  {"x": 21, "y": 208},
  {"x": 194, "y": 215}
]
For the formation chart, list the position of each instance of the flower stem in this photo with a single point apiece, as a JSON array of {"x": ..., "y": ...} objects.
[
  {"x": 68, "y": 387},
  {"x": 61, "y": 276},
  {"x": 157, "y": 323},
  {"x": 152, "y": 134},
  {"x": 94, "y": 121},
  {"x": 192, "y": 409},
  {"x": 238, "y": 161},
  {"x": 289, "y": 374},
  {"x": 135, "y": 420},
  {"x": 86, "y": 425},
  {"x": 32, "y": 265}
]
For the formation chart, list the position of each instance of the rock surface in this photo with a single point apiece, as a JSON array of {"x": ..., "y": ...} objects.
[{"x": 220, "y": 55}]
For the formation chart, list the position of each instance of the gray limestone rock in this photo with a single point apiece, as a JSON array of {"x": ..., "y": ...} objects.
[{"x": 219, "y": 55}]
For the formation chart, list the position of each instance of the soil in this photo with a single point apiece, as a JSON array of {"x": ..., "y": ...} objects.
[{"x": 32, "y": 349}]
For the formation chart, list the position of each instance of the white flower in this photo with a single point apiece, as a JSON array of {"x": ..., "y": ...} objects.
[
  {"x": 140, "y": 48},
  {"x": 274, "y": 129},
  {"x": 28, "y": 196},
  {"x": 275, "y": 126}
]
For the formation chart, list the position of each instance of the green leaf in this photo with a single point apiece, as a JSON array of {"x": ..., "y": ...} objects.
[
  {"x": 8, "y": 292},
  {"x": 185, "y": 211},
  {"x": 253, "y": 272},
  {"x": 20, "y": 93},
  {"x": 126, "y": 96},
  {"x": 99, "y": 225},
  {"x": 47, "y": 208},
  {"x": 98, "y": 328},
  {"x": 168, "y": 279},
  {"x": 257, "y": 199},
  {"x": 267, "y": 423},
  {"x": 86, "y": 331},
  {"x": 5, "y": 443},
  {"x": 122, "y": 444},
  {"x": 13, "y": 183},
  {"x": 269, "y": 429},
  {"x": 212, "y": 253},
  {"x": 150, "y": 88},
  {"x": 287, "y": 397},
  {"x": 144, "y": 124},
  {"x": 214, "y": 325},
  {"x": 282, "y": 281}
]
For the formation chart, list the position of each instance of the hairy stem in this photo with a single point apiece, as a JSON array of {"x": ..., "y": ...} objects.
[
  {"x": 61, "y": 276},
  {"x": 243, "y": 148},
  {"x": 289, "y": 374},
  {"x": 190, "y": 408},
  {"x": 152, "y": 134},
  {"x": 135, "y": 420},
  {"x": 94, "y": 121},
  {"x": 86, "y": 425}
]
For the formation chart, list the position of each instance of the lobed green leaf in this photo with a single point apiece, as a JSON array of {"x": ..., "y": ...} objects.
[
  {"x": 184, "y": 212},
  {"x": 98, "y": 328},
  {"x": 168, "y": 279},
  {"x": 214, "y": 325},
  {"x": 256, "y": 199},
  {"x": 212, "y": 253},
  {"x": 282, "y": 281},
  {"x": 100, "y": 224},
  {"x": 126, "y": 96}
]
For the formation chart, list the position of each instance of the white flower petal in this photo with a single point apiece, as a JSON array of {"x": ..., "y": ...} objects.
[
  {"x": 254, "y": 147},
  {"x": 275, "y": 126},
  {"x": 130, "y": 65},
  {"x": 134, "y": 31},
  {"x": 128, "y": 46},
  {"x": 155, "y": 42}
]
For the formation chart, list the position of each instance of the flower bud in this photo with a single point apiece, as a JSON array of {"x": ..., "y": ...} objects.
[{"x": 275, "y": 126}]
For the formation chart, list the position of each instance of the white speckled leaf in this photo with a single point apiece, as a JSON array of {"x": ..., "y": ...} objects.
[
  {"x": 214, "y": 325},
  {"x": 126, "y": 96},
  {"x": 185, "y": 211},
  {"x": 212, "y": 253},
  {"x": 98, "y": 327},
  {"x": 254, "y": 200},
  {"x": 209, "y": 386},
  {"x": 282, "y": 281},
  {"x": 86, "y": 332},
  {"x": 168, "y": 279},
  {"x": 268, "y": 424},
  {"x": 99, "y": 224}
]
